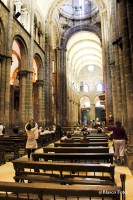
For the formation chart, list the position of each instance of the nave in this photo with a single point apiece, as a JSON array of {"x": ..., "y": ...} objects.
[{"x": 7, "y": 173}]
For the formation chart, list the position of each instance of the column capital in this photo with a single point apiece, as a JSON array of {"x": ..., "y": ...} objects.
[
  {"x": 39, "y": 82},
  {"x": 23, "y": 73},
  {"x": 1, "y": 58},
  {"x": 118, "y": 41},
  {"x": 61, "y": 49}
]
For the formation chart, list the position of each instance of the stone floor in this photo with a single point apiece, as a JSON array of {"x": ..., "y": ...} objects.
[{"x": 7, "y": 173}]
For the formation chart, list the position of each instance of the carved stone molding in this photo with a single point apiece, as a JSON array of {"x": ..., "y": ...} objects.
[
  {"x": 118, "y": 41},
  {"x": 23, "y": 73},
  {"x": 39, "y": 82},
  {"x": 2, "y": 57}
]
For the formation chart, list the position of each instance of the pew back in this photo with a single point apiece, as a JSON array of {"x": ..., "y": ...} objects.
[
  {"x": 72, "y": 157},
  {"x": 102, "y": 171},
  {"x": 56, "y": 191},
  {"x": 78, "y": 144},
  {"x": 76, "y": 149}
]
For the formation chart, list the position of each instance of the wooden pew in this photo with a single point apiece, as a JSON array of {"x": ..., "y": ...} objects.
[
  {"x": 72, "y": 157},
  {"x": 39, "y": 171},
  {"x": 91, "y": 139},
  {"x": 2, "y": 155},
  {"x": 78, "y": 144},
  {"x": 14, "y": 144},
  {"x": 89, "y": 136},
  {"x": 24, "y": 191},
  {"x": 17, "y": 140},
  {"x": 10, "y": 147},
  {"x": 76, "y": 149}
]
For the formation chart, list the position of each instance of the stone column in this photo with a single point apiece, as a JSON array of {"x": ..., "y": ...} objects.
[
  {"x": 40, "y": 97},
  {"x": 113, "y": 88},
  {"x": 6, "y": 66},
  {"x": 64, "y": 85},
  {"x": 29, "y": 96},
  {"x": 127, "y": 61},
  {"x": 23, "y": 103},
  {"x": 5, "y": 89},
  {"x": 48, "y": 80},
  {"x": 106, "y": 70},
  {"x": 2, "y": 87},
  {"x": 58, "y": 88},
  {"x": 123, "y": 109}
]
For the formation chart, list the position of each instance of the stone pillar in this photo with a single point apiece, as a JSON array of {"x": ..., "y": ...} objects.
[
  {"x": 127, "y": 61},
  {"x": 47, "y": 83},
  {"x": 7, "y": 91},
  {"x": 29, "y": 96},
  {"x": 118, "y": 82},
  {"x": 123, "y": 109},
  {"x": 58, "y": 88},
  {"x": 40, "y": 97},
  {"x": 64, "y": 85},
  {"x": 71, "y": 112},
  {"x": 23, "y": 103},
  {"x": 113, "y": 88},
  {"x": 5, "y": 63},
  {"x": 2, "y": 87},
  {"x": 106, "y": 70}
]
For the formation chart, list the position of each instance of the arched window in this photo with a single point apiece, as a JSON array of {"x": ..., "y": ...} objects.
[
  {"x": 99, "y": 87},
  {"x": 81, "y": 86},
  {"x": 84, "y": 86}
]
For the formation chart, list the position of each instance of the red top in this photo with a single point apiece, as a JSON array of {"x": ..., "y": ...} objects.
[{"x": 119, "y": 133}]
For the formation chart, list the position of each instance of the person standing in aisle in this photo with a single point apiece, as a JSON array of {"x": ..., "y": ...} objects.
[
  {"x": 31, "y": 144},
  {"x": 119, "y": 137}
]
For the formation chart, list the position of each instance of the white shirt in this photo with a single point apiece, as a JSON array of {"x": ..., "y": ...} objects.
[
  {"x": 1, "y": 129},
  {"x": 31, "y": 140}
]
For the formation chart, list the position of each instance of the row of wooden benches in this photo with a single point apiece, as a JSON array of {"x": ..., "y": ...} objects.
[
  {"x": 42, "y": 191},
  {"x": 68, "y": 174},
  {"x": 88, "y": 179},
  {"x": 13, "y": 146}
]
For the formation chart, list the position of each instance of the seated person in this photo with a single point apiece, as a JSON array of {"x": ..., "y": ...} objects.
[
  {"x": 68, "y": 138},
  {"x": 84, "y": 129},
  {"x": 45, "y": 131},
  {"x": 77, "y": 132},
  {"x": 100, "y": 130},
  {"x": 63, "y": 137},
  {"x": 15, "y": 129},
  {"x": 84, "y": 139}
]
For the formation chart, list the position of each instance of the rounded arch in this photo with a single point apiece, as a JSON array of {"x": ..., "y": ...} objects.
[
  {"x": 20, "y": 46},
  {"x": 90, "y": 28},
  {"x": 97, "y": 102},
  {"x": 38, "y": 66},
  {"x": 84, "y": 102}
]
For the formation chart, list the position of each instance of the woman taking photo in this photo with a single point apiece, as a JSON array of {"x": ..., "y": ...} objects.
[{"x": 31, "y": 143}]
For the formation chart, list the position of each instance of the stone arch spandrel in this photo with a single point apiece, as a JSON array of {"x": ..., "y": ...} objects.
[
  {"x": 2, "y": 37},
  {"x": 39, "y": 64}
]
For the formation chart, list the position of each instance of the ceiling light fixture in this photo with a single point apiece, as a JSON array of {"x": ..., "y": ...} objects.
[{"x": 90, "y": 68}]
